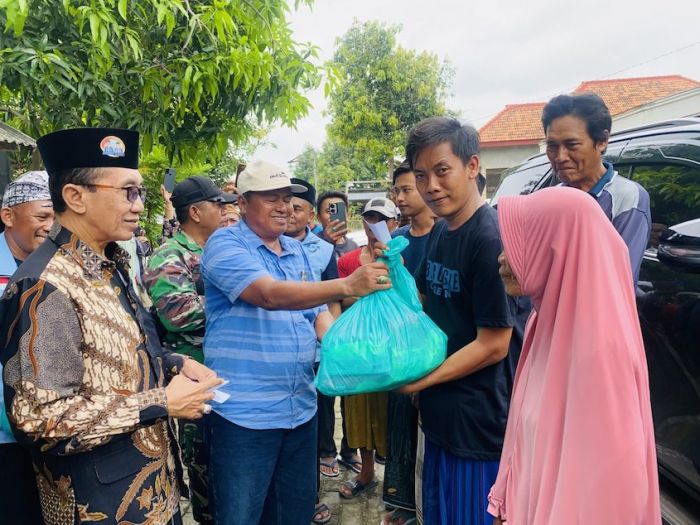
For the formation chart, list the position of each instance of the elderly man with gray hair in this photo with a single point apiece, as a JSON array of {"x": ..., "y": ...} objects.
[{"x": 89, "y": 390}]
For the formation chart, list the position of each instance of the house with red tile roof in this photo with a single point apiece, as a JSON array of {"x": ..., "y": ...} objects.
[{"x": 516, "y": 133}]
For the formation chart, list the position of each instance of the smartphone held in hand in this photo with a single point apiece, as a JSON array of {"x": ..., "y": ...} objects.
[
  {"x": 169, "y": 179},
  {"x": 338, "y": 211}
]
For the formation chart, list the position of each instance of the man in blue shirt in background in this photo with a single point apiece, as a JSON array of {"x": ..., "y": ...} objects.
[
  {"x": 264, "y": 316},
  {"x": 320, "y": 253}
]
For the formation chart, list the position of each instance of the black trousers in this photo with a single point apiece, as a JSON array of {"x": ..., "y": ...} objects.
[
  {"x": 19, "y": 499},
  {"x": 326, "y": 428}
]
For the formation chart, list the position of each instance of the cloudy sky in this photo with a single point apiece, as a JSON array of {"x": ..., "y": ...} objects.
[{"x": 508, "y": 51}]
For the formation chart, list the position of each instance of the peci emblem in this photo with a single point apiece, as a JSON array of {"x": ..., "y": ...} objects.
[{"x": 112, "y": 146}]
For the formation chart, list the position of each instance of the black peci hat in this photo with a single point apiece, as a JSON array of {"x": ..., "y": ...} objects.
[
  {"x": 89, "y": 148},
  {"x": 197, "y": 189},
  {"x": 309, "y": 195}
]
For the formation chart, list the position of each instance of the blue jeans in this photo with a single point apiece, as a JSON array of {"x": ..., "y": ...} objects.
[{"x": 265, "y": 477}]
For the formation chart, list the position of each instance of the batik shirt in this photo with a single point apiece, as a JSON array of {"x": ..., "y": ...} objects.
[
  {"x": 84, "y": 385},
  {"x": 176, "y": 288}
]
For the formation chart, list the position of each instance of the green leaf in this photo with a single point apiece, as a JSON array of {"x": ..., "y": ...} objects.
[
  {"x": 66, "y": 84},
  {"x": 95, "y": 26},
  {"x": 134, "y": 45},
  {"x": 58, "y": 61},
  {"x": 147, "y": 142},
  {"x": 121, "y": 7},
  {"x": 160, "y": 13},
  {"x": 169, "y": 24},
  {"x": 186, "y": 80}
]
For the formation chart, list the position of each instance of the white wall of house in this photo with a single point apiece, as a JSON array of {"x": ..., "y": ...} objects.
[
  {"x": 680, "y": 105},
  {"x": 495, "y": 160},
  {"x": 506, "y": 157}
]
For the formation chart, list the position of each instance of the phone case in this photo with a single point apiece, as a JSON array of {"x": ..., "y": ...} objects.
[
  {"x": 340, "y": 212},
  {"x": 169, "y": 180}
]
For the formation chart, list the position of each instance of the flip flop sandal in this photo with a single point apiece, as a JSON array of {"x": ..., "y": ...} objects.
[
  {"x": 322, "y": 509},
  {"x": 356, "y": 488},
  {"x": 351, "y": 464},
  {"x": 333, "y": 465},
  {"x": 402, "y": 516}
]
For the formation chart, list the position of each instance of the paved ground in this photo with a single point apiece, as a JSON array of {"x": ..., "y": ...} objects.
[{"x": 366, "y": 509}]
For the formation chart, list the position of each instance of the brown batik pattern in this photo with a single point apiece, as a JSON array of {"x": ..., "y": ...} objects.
[
  {"x": 57, "y": 498},
  {"x": 91, "y": 388}
]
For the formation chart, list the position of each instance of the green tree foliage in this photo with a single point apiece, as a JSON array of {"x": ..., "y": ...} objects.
[
  {"x": 336, "y": 166},
  {"x": 200, "y": 79},
  {"x": 381, "y": 91},
  {"x": 190, "y": 75},
  {"x": 153, "y": 166},
  {"x": 305, "y": 164},
  {"x": 674, "y": 192}
]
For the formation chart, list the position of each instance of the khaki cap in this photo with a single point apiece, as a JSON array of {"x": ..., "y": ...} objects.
[{"x": 260, "y": 175}]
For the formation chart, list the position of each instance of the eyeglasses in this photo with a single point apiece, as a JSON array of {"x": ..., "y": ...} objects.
[{"x": 132, "y": 192}]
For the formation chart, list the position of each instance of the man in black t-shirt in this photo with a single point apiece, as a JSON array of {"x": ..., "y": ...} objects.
[{"x": 464, "y": 402}]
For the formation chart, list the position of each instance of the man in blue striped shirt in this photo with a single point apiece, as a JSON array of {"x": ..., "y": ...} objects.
[{"x": 264, "y": 314}]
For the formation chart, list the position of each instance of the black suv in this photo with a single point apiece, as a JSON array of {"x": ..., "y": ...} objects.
[{"x": 665, "y": 159}]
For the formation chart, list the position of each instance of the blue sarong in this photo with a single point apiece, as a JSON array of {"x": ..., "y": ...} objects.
[{"x": 455, "y": 490}]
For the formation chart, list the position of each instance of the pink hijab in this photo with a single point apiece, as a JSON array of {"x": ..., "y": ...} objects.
[{"x": 579, "y": 445}]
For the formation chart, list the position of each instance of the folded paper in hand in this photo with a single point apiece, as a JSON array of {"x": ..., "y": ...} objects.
[{"x": 219, "y": 395}]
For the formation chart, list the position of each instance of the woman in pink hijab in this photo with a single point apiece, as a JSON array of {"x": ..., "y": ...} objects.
[{"x": 579, "y": 446}]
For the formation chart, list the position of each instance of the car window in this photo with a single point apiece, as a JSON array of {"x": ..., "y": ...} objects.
[
  {"x": 625, "y": 171},
  {"x": 664, "y": 149},
  {"x": 674, "y": 192},
  {"x": 520, "y": 181}
]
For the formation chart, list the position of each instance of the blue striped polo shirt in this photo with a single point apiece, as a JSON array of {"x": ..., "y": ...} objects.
[
  {"x": 627, "y": 206},
  {"x": 267, "y": 355}
]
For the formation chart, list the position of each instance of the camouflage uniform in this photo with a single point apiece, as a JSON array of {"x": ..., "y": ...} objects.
[
  {"x": 170, "y": 228},
  {"x": 176, "y": 288}
]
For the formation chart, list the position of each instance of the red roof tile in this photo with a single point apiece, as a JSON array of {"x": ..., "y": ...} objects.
[
  {"x": 623, "y": 94},
  {"x": 520, "y": 123},
  {"x": 515, "y": 122}
]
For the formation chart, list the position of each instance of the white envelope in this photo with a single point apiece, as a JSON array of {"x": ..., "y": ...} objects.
[{"x": 380, "y": 231}]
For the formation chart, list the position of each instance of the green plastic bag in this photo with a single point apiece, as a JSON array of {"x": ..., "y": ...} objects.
[{"x": 384, "y": 340}]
